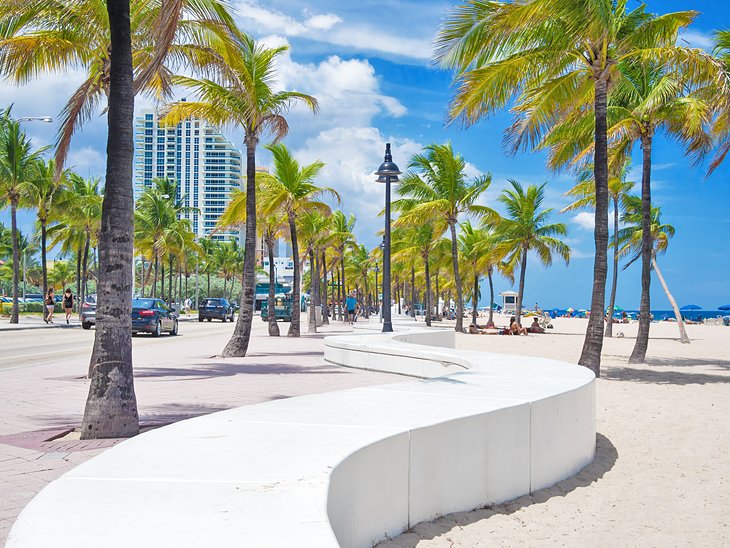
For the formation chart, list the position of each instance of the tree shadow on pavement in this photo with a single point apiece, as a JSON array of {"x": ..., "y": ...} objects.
[
  {"x": 606, "y": 456},
  {"x": 228, "y": 369}
]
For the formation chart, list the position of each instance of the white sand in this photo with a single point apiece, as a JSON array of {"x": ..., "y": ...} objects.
[{"x": 661, "y": 476}]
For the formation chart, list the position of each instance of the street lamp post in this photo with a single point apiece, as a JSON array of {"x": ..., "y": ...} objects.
[{"x": 387, "y": 173}]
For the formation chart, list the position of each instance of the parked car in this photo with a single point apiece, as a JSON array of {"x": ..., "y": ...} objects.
[
  {"x": 220, "y": 309},
  {"x": 88, "y": 312},
  {"x": 282, "y": 307},
  {"x": 153, "y": 316}
]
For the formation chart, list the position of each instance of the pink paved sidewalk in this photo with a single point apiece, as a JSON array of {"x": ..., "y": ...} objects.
[{"x": 175, "y": 378}]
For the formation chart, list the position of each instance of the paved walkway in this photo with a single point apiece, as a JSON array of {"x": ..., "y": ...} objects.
[{"x": 175, "y": 378}]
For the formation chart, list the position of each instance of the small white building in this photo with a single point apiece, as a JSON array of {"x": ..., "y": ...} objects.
[{"x": 509, "y": 302}]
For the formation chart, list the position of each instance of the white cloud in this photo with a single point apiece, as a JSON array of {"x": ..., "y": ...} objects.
[
  {"x": 584, "y": 220},
  {"x": 87, "y": 161},
  {"x": 696, "y": 39},
  {"x": 331, "y": 28}
]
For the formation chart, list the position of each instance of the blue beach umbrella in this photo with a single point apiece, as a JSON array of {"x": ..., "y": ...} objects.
[
  {"x": 691, "y": 307},
  {"x": 724, "y": 307}
]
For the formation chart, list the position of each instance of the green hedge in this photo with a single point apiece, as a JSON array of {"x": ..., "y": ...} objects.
[{"x": 28, "y": 307}]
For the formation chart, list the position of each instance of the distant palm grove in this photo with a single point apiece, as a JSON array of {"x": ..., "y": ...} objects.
[{"x": 586, "y": 81}]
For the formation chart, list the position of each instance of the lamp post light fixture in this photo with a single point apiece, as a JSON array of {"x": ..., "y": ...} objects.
[{"x": 387, "y": 173}]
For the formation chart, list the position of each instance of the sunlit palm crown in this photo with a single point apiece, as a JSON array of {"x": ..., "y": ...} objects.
[
  {"x": 38, "y": 37},
  {"x": 545, "y": 56},
  {"x": 630, "y": 237}
]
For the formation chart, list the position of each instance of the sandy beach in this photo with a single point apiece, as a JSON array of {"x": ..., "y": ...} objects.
[{"x": 662, "y": 467}]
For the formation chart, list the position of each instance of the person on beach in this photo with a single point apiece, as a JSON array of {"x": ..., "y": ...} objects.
[
  {"x": 68, "y": 303},
  {"x": 515, "y": 328},
  {"x": 50, "y": 303},
  {"x": 351, "y": 305},
  {"x": 186, "y": 306},
  {"x": 535, "y": 327}
]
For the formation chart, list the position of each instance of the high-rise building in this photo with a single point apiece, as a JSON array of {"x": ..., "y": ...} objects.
[{"x": 198, "y": 157}]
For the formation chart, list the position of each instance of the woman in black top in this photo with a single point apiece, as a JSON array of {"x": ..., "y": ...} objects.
[
  {"x": 50, "y": 303},
  {"x": 68, "y": 303}
]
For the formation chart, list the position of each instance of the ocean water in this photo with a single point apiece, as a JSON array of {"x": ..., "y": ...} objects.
[{"x": 694, "y": 315}]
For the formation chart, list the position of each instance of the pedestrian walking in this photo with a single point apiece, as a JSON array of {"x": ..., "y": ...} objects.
[
  {"x": 186, "y": 306},
  {"x": 50, "y": 303},
  {"x": 68, "y": 303},
  {"x": 351, "y": 305}
]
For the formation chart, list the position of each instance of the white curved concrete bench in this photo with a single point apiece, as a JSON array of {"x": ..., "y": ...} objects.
[{"x": 342, "y": 468}]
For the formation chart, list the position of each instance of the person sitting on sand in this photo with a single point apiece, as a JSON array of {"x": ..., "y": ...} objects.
[
  {"x": 535, "y": 327},
  {"x": 474, "y": 329},
  {"x": 515, "y": 328}
]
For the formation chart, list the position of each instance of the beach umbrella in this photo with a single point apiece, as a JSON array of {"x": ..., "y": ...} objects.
[
  {"x": 570, "y": 309},
  {"x": 691, "y": 307},
  {"x": 724, "y": 307}
]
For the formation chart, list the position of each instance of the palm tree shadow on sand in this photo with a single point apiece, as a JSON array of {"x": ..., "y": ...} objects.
[{"x": 606, "y": 456}]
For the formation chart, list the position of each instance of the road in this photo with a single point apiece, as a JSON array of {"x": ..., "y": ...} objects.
[{"x": 33, "y": 347}]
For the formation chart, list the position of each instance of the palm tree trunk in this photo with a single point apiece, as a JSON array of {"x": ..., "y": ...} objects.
[
  {"x": 44, "y": 264},
  {"x": 294, "y": 328},
  {"x": 273, "y": 326},
  {"x": 457, "y": 280},
  {"x": 79, "y": 304},
  {"x": 171, "y": 290},
  {"x": 325, "y": 308},
  {"x": 427, "y": 294},
  {"x": 474, "y": 311},
  {"x": 614, "y": 280},
  {"x": 638, "y": 355},
  {"x": 366, "y": 294},
  {"x": 413, "y": 291},
  {"x": 683, "y": 338},
  {"x": 438, "y": 308},
  {"x": 238, "y": 345},
  {"x": 111, "y": 408},
  {"x": 142, "y": 279},
  {"x": 312, "y": 315},
  {"x": 154, "y": 281},
  {"x": 340, "y": 300},
  {"x": 491, "y": 297},
  {"x": 593, "y": 344},
  {"x": 398, "y": 294},
  {"x": 344, "y": 288},
  {"x": 521, "y": 288},
  {"x": 15, "y": 311},
  {"x": 85, "y": 269},
  {"x": 208, "y": 293}
]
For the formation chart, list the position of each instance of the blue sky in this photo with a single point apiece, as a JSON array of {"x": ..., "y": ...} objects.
[{"x": 369, "y": 65}]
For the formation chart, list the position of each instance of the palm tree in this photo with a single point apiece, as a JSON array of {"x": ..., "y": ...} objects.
[
  {"x": 290, "y": 189},
  {"x": 42, "y": 37},
  {"x": 618, "y": 190},
  {"x": 358, "y": 268},
  {"x": 631, "y": 240},
  {"x": 439, "y": 189},
  {"x": 342, "y": 239},
  {"x": 553, "y": 58},
  {"x": 76, "y": 221},
  {"x": 526, "y": 228},
  {"x": 41, "y": 192},
  {"x": 721, "y": 125},
  {"x": 111, "y": 407},
  {"x": 61, "y": 274},
  {"x": 18, "y": 163},
  {"x": 245, "y": 97},
  {"x": 312, "y": 227},
  {"x": 648, "y": 97}
]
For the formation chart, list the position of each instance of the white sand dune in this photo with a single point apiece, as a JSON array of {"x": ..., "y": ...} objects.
[{"x": 662, "y": 471}]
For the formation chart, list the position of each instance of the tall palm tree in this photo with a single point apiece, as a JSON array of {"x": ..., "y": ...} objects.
[
  {"x": 342, "y": 239},
  {"x": 77, "y": 221},
  {"x": 618, "y": 190},
  {"x": 647, "y": 97},
  {"x": 244, "y": 96},
  {"x": 438, "y": 188},
  {"x": 525, "y": 228},
  {"x": 41, "y": 192},
  {"x": 631, "y": 242},
  {"x": 41, "y": 37},
  {"x": 552, "y": 58},
  {"x": 312, "y": 229},
  {"x": 721, "y": 125},
  {"x": 291, "y": 189},
  {"x": 111, "y": 407},
  {"x": 18, "y": 163}
]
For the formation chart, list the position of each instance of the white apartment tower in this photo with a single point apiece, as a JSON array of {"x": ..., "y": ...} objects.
[{"x": 205, "y": 165}]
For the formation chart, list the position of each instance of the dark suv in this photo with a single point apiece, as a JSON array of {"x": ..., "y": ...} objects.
[{"x": 220, "y": 309}]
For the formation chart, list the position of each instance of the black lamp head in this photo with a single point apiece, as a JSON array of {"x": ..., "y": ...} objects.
[{"x": 388, "y": 168}]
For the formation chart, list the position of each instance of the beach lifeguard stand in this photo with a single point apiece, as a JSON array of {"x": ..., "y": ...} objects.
[{"x": 509, "y": 302}]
